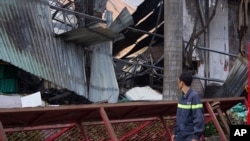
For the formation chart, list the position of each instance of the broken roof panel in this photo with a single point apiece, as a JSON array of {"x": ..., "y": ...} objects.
[
  {"x": 97, "y": 33},
  {"x": 90, "y": 35}
]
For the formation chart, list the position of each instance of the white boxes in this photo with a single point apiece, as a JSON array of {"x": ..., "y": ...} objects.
[{"x": 18, "y": 101}]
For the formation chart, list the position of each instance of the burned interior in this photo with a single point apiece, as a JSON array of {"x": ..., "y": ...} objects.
[{"x": 137, "y": 47}]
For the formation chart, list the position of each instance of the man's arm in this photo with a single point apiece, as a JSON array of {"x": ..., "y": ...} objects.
[{"x": 198, "y": 117}]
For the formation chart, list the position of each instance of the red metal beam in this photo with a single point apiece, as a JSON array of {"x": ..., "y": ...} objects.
[
  {"x": 85, "y": 137},
  {"x": 58, "y": 134},
  {"x": 168, "y": 130},
  {"x": 215, "y": 121},
  {"x": 124, "y": 137},
  {"x": 3, "y": 136},
  {"x": 216, "y": 106},
  {"x": 36, "y": 118},
  {"x": 248, "y": 104},
  {"x": 44, "y": 127},
  {"x": 120, "y": 121},
  {"x": 108, "y": 125}
]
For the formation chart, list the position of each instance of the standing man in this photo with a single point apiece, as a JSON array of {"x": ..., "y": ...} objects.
[{"x": 189, "y": 119}]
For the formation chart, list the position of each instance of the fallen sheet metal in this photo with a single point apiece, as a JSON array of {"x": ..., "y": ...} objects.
[{"x": 236, "y": 80}]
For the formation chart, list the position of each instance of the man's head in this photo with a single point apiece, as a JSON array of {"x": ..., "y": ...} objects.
[{"x": 186, "y": 78}]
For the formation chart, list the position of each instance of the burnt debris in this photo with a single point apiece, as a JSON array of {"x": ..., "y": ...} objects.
[{"x": 53, "y": 96}]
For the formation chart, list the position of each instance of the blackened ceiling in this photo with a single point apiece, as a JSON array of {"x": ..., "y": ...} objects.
[{"x": 148, "y": 7}]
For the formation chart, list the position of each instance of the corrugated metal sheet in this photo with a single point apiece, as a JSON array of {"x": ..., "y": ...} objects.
[
  {"x": 90, "y": 35},
  {"x": 27, "y": 41},
  {"x": 99, "y": 32},
  {"x": 236, "y": 79},
  {"x": 103, "y": 82}
]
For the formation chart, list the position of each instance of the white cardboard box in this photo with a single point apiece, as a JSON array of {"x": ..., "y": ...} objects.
[{"x": 17, "y": 101}]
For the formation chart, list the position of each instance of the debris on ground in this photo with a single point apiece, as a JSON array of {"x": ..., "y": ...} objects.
[
  {"x": 53, "y": 96},
  {"x": 238, "y": 114},
  {"x": 143, "y": 93}
]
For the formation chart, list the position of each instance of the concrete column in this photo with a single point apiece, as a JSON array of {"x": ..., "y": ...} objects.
[{"x": 173, "y": 25}]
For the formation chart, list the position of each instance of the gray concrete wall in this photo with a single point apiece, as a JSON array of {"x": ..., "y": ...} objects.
[
  {"x": 218, "y": 40},
  {"x": 218, "y": 32}
]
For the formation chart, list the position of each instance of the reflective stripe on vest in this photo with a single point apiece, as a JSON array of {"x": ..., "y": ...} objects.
[{"x": 196, "y": 106}]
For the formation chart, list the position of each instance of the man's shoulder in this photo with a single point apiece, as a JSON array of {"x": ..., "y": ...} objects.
[
  {"x": 193, "y": 92},
  {"x": 194, "y": 95}
]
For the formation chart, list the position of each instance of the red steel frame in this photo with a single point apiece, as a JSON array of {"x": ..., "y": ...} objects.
[
  {"x": 211, "y": 115},
  {"x": 58, "y": 134},
  {"x": 3, "y": 136},
  {"x": 248, "y": 88},
  {"x": 216, "y": 122}
]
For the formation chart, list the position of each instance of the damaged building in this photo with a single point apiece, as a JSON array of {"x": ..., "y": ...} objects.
[
  {"x": 97, "y": 50},
  {"x": 102, "y": 70}
]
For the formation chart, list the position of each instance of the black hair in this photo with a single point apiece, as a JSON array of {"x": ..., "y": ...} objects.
[{"x": 186, "y": 77}]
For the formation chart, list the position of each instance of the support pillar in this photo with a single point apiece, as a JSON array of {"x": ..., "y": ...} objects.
[{"x": 173, "y": 32}]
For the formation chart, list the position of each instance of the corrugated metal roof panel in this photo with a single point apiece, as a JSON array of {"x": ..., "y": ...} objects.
[
  {"x": 90, "y": 35},
  {"x": 27, "y": 41}
]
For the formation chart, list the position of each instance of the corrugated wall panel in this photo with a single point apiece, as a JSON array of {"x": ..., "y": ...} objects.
[
  {"x": 27, "y": 41},
  {"x": 103, "y": 83}
]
